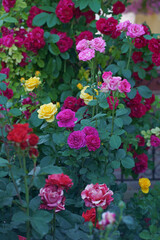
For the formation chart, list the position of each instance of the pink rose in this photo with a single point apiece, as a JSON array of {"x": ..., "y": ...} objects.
[
  {"x": 86, "y": 55},
  {"x": 107, "y": 218},
  {"x": 76, "y": 140},
  {"x": 97, "y": 195},
  {"x": 135, "y": 30},
  {"x": 114, "y": 83},
  {"x": 21, "y": 238},
  {"x": 123, "y": 26},
  {"x": 107, "y": 76},
  {"x": 52, "y": 198},
  {"x": 90, "y": 131},
  {"x": 98, "y": 44},
  {"x": 105, "y": 87},
  {"x": 93, "y": 142},
  {"x": 124, "y": 86},
  {"x": 8, "y": 41},
  {"x": 82, "y": 45},
  {"x": 66, "y": 118}
]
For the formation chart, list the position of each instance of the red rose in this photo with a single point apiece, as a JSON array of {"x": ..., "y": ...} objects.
[
  {"x": 150, "y": 100},
  {"x": 84, "y": 35},
  {"x": 5, "y": 71},
  {"x": 115, "y": 34},
  {"x": 21, "y": 238},
  {"x": 140, "y": 42},
  {"x": 33, "y": 139},
  {"x": 111, "y": 100},
  {"x": 65, "y": 42},
  {"x": 32, "y": 13},
  {"x": 90, "y": 215},
  {"x": 106, "y": 26},
  {"x": 60, "y": 180},
  {"x": 89, "y": 15},
  {"x": 93, "y": 142},
  {"x": 33, "y": 152},
  {"x": 141, "y": 164},
  {"x": 136, "y": 76},
  {"x": 7, "y": 4},
  {"x": 118, "y": 8},
  {"x": 19, "y": 133},
  {"x": 138, "y": 110},
  {"x": 8, "y": 93},
  {"x": 65, "y": 10},
  {"x": 73, "y": 103},
  {"x": 23, "y": 145},
  {"x": 154, "y": 45},
  {"x": 137, "y": 57},
  {"x": 141, "y": 141},
  {"x": 156, "y": 59}
]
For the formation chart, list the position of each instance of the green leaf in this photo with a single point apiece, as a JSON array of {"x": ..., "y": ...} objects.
[
  {"x": 2, "y": 76},
  {"x": 15, "y": 111},
  {"x": 124, "y": 48},
  {"x": 115, "y": 141},
  {"x": 1, "y": 23},
  {"x": 145, "y": 235},
  {"x": 51, "y": 20},
  {"x": 126, "y": 73},
  {"x": 10, "y": 20},
  {"x": 40, "y": 19},
  {"x": 54, "y": 49},
  {"x": 113, "y": 68},
  {"x": 118, "y": 122},
  {"x": 3, "y": 162},
  {"x": 132, "y": 93},
  {"x": 144, "y": 91},
  {"x": 115, "y": 164},
  {"x": 53, "y": 38},
  {"x": 93, "y": 103},
  {"x": 148, "y": 37},
  {"x": 120, "y": 154},
  {"x": 95, "y": 5},
  {"x": 19, "y": 218},
  {"x": 83, "y": 4},
  {"x": 3, "y": 86},
  {"x": 34, "y": 120},
  {"x": 50, "y": 169},
  {"x": 65, "y": 55},
  {"x": 121, "y": 112},
  {"x": 141, "y": 73},
  {"x": 121, "y": 64},
  {"x": 3, "y": 100},
  {"x": 48, "y": 8},
  {"x": 128, "y": 162}
]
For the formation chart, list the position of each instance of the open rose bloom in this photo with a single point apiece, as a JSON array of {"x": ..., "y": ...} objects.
[{"x": 97, "y": 195}]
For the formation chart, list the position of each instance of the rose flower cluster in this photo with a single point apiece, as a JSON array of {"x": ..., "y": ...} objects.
[
  {"x": 23, "y": 137},
  {"x": 98, "y": 195},
  {"x": 52, "y": 194},
  {"x": 114, "y": 83},
  {"x": 87, "y": 48},
  {"x": 152, "y": 136},
  {"x": 87, "y": 137},
  {"x": 8, "y": 4}
]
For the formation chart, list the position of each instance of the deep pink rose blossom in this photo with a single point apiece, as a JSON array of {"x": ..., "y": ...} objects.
[
  {"x": 90, "y": 131},
  {"x": 7, "y": 4},
  {"x": 107, "y": 76},
  {"x": 82, "y": 45},
  {"x": 97, "y": 195},
  {"x": 98, "y": 44},
  {"x": 105, "y": 87},
  {"x": 114, "y": 83},
  {"x": 93, "y": 142},
  {"x": 122, "y": 26},
  {"x": 124, "y": 86},
  {"x": 155, "y": 141},
  {"x": 141, "y": 141},
  {"x": 141, "y": 163},
  {"x": 52, "y": 198},
  {"x": 76, "y": 140},
  {"x": 66, "y": 118}
]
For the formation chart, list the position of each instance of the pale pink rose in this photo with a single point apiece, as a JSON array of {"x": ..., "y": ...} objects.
[
  {"x": 52, "y": 198},
  {"x": 105, "y": 87},
  {"x": 107, "y": 76},
  {"x": 107, "y": 218},
  {"x": 124, "y": 86},
  {"x": 86, "y": 55},
  {"x": 82, "y": 45},
  {"x": 98, "y": 44},
  {"x": 114, "y": 83},
  {"x": 123, "y": 26},
  {"x": 66, "y": 118},
  {"x": 97, "y": 195},
  {"x": 135, "y": 30}
]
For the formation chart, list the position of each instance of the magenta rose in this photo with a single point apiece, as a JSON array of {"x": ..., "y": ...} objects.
[
  {"x": 154, "y": 45},
  {"x": 98, "y": 44},
  {"x": 118, "y": 8},
  {"x": 65, "y": 10},
  {"x": 76, "y": 140},
  {"x": 90, "y": 131},
  {"x": 141, "y": 141},
  {"x": 156, "y": 59},
  {"x": 84, "y": 35},
  {"x": 140, "y": 42},
  {"x": 66, "y": 118},
  {"x": 82, "y": 45},
  {"x": 5, "y": 71},
  {"x": 106, "y": 26},
  {"x": 107, "y": 76},
  {"x": 141, "y": 164},
  {"x": 114, "y": 83},
  {"x": 86, "y": 54},
  {"x": 97, "y": 195},
  {"x": 135, "y": 30},
  {"x": 93, "y": 142},
  {"x": 124, "y": 86},
  {"x": 52, "y": 198},
  {"x": 7, "y": 4},
  {"x": 155, "y": 141},
  {"x": 8, "y": 41},
  {"x": 137, "y": 57},
  {"x": 8, "y": 93}
]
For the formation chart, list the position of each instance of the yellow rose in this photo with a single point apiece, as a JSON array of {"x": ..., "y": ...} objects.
[
  {"x": 144, "y": 183},
  {"x": 58, "y": 105},
  {"x": 47, "y": 112},
  {"x": 22, "y": 80},
  {"x": 37, "y": 73},
  {"x": 79, "y": 86},
  {"x": 32, "y": 83},
  {"x": 85, "y": 96}
]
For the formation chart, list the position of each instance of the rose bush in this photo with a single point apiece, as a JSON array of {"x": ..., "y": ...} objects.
[{"x": 77, "y": 120}]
